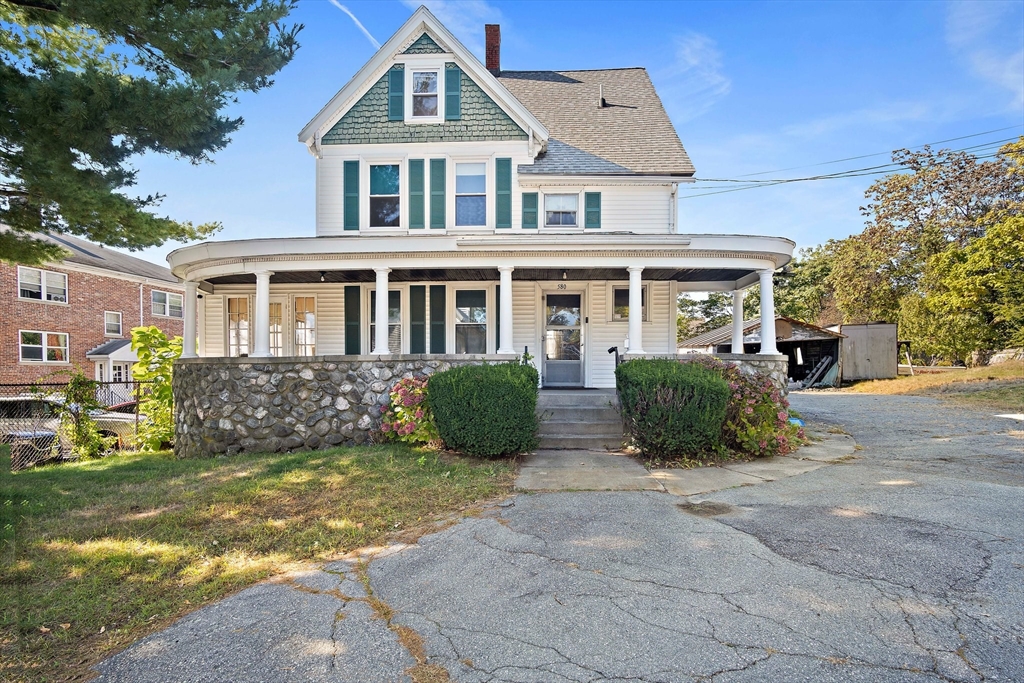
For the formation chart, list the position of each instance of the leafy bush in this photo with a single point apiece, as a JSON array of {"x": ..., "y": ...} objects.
[
  {"x": 155, "y": 365},
  {"x": 757, "y": 418},
  {"x": 408, "y": 417},
  {"x": 672, "y": 410},
  {"x": 486, "y": 410},
  {"x": 75, "y": 407}
]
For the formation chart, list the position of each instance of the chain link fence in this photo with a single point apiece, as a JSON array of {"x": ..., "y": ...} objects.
[{"x": 33, "y": 422}]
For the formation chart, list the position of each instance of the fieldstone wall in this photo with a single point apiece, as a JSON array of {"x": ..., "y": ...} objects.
[
  {"x": 775, "y": 366},
  {"x": 267, "y": 405}
]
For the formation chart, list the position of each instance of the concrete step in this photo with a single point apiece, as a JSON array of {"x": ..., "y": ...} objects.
[
  {"x": 577, "y": 414},
  {"x": 578, "y": 442},
  {"x": 582, "y": 398},
  {"x": 601, "y": 428}
]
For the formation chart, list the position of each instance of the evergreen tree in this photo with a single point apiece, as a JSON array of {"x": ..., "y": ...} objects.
[{"x": 85, "y": 85}]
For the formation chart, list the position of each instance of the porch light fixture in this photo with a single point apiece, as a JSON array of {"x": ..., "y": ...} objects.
[
  {"x": 565, "y": 275},
  {"x": 323, "y": 276}
]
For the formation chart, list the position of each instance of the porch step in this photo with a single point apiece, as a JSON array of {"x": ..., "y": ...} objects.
[
  {"x": 585, "y": 443},
  {"x": 579, "y": 420}
]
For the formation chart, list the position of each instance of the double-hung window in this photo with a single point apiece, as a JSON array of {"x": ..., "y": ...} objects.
[
  {"x": 276, "y": 329},
  {"x": 168, "y": 304},
  {"x": 424, "y": 94},
  {"x": 394, "y": 320},
  {"x": 620, "y": 303},
  {"x": 112, "y": 323},
  {"x": 471, "y": 194},
  {"x": 560, "y": 209},
  {"x": 471, "y": 321},
  {"x": 238, "y": 326},
  {"x": 43, "y": 347},
  {"x": 42, "y": 285},
  {"x": 385, "y": 202},
  {"x": 304, "y": 324}
]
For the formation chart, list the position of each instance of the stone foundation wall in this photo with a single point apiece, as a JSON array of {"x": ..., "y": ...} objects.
[
  {"x": 267, "y": 405},
  {"x": 775, "y": 366}
]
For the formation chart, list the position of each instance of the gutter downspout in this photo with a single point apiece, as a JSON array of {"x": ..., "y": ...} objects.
[
  {"x": 674, "y": 208},
  {"x": 142, "y": 322}
]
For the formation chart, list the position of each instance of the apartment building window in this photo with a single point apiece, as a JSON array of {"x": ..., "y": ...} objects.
[
  {"x": 238, "y": 325},
  {"x": 112, "y": 323},
  {"x": 305, "y": 326},
  {"x": 168, "y": 304},
  {"x": 43, "y": 347},
  {"x": 42, "y": 285}
]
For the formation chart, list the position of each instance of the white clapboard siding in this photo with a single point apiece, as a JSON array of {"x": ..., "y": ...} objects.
[
  {"x": 524, "y": 317},
  {"x": 638, "y": 209},
  {"x": 604, "y": 333},
  {"x": 215, "y": 326},
  {"x": 330, "y": 305}
]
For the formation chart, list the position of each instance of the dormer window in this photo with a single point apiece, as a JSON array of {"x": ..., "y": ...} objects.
[
  {"x": 424, "y": 94},
  {"x": 560, "y": 210}
]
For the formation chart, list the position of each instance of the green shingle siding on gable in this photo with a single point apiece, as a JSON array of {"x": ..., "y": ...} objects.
[
  {"x": 424, "y": 45},
  {"x": 367, "y": 121}
]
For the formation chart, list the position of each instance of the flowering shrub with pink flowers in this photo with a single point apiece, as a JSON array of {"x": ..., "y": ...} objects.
[
  {"x": 757, "y": 415},
  {"x": 408, "y": 418}
]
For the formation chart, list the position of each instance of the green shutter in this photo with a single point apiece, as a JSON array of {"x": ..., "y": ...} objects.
[
  {"x": 351, "y": 180},
  {"x": 437, "y": 185},
  {"x": 529, "y": 209},
  {"x": 593, "y": 205},
  {"x": 396, "y": 94},
  {"x": 417, "y": 319},
  {"x": 452, "y": 93},
  {"x": 437, "y": 320},
  {"x": 352, "y": 335},
  {"x": 416, "y": 204},
  {"x": 503, "y": 193}
]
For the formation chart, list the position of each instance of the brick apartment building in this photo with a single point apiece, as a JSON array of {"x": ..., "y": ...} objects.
[{"x": 80, "y": 312}]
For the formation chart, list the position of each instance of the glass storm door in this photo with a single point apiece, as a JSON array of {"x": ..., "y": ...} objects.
[{"x": 563, "y": 340}]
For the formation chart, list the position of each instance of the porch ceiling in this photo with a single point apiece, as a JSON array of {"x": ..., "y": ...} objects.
[{"x": 470, "y": 274}]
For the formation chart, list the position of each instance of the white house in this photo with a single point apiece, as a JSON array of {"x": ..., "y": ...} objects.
[{"x": 480, "y": 211}]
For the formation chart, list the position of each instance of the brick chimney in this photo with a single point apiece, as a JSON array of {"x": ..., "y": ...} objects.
[{"x": 492, "y": 33}]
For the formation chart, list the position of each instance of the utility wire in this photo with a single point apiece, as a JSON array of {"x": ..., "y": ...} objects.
[{"x": 876, "y": 154}]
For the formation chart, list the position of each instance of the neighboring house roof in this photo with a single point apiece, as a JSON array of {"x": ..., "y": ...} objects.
[
  {"x": 86, "y": 253},
  {"x": 107, "y": 348},
  {"x": 632, "y": 131},
  {"x": 723, "y": 334}
]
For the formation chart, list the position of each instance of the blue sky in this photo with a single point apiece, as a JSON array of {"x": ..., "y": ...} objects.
[{"x": 750, "y": 87}]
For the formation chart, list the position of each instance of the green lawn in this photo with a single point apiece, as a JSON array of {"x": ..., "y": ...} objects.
[{"x": 98, "y": 554}]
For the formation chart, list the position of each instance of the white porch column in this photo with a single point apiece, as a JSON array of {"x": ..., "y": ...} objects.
[
  {"x": 380, "y": 338},
  {"x": 188, "y": 345},
  {"x": 767, "y": 312},
  {"x": 505, "y": 308},
  {"x": 261, "y": 316},
  {"x": 737, "y": 320},
  {"x": 636, "y": 310}
]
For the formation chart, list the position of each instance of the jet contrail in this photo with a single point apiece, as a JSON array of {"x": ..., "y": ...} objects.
[{"x": 362, "y": 28}]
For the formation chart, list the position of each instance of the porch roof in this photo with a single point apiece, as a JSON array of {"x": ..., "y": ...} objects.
[{"x": 719, "y": 262}]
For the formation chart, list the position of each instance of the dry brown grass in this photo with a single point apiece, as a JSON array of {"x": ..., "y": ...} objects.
[{"x": 999, "y": 387}]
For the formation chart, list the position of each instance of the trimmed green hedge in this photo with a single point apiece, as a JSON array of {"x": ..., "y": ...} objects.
[
  {"x": 672, "y": 409},
  {"x": 486, "y": 410}
]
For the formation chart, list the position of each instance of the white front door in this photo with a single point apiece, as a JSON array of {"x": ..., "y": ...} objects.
[{"x": 563, "y": 339}]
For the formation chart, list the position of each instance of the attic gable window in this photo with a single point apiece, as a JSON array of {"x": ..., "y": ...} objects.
[{"x": 424, "y": 94}]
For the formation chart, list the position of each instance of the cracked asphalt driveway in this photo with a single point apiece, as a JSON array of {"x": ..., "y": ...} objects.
[{"x": 905, "y": 564}]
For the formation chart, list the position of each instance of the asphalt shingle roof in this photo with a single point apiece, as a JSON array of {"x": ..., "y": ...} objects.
[
  {"x": 88, "y": 254},
  {"x": 632, "y": 131}
]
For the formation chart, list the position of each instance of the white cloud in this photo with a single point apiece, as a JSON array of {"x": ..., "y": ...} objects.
[
  {"x": 989, "y": 36},
  {"x": 884, "y": 116},
  {"x": 694, "y": 81},
  {"x": 359, "y": 24},
  {"x": 464, "y": 18}
]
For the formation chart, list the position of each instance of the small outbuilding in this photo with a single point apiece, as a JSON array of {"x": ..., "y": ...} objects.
[
  {"x": 807, "y": 347},
  {"x": 870, "y": 350}
]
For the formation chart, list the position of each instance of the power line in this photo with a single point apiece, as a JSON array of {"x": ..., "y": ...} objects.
[{"x": 876, "y": 154}]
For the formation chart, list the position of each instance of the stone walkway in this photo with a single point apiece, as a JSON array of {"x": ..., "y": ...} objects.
[{"x": 580, "y": 470}]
